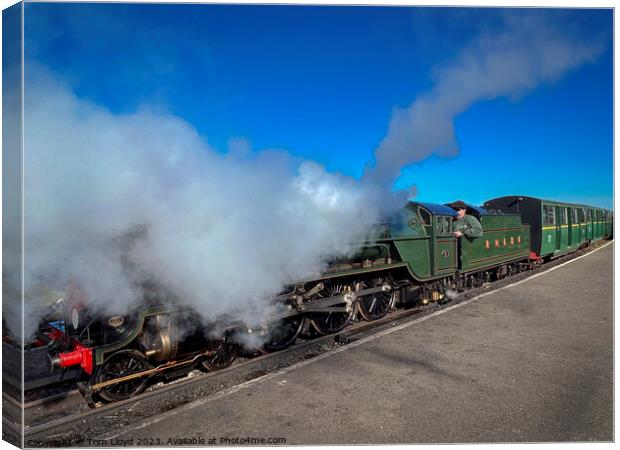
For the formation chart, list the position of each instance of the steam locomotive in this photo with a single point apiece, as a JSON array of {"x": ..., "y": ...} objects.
[{"x": 412, "y": 259}]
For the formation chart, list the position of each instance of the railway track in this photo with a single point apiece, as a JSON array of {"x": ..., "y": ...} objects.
[{"x": 65, "y": 419}]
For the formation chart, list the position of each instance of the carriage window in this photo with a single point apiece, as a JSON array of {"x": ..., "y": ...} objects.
[
  {"x": 564, "y": 216},
  {"x": 575, "y": 216},
  {"x": 548, "y": 215}
]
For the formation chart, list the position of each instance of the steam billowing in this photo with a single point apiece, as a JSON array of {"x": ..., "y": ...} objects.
[
  {"x": 530, "y": 50},
  {"x": 115, "y": 200}
]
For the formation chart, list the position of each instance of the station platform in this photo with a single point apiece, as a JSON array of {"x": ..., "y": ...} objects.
[{"x": 530, "y": 362}]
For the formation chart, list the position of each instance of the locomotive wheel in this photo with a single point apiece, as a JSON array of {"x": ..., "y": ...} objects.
[
  {"x": 223, "y": 353},
  {"x": 283, "y": 333},
  {"x": 121, "y": 364},
  {"x": 331, "y": 322},
  {"x": 377, "y": 305}
]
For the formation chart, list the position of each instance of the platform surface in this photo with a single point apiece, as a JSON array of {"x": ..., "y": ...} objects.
[{"x": 529, "y": 363}]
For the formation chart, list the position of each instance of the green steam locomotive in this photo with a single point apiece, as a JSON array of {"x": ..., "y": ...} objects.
[{"x": 413, "y": 258}]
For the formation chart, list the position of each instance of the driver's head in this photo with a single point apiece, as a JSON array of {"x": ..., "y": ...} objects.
[{"x": 460, "y": 207}]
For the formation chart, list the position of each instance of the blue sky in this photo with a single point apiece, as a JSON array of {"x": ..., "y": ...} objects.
[{"x": 323, "y": 82}]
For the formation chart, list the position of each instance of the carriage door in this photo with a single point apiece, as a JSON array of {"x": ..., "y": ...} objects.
[
  {"x": 569, "y": 221},
  {"x": 578, "y": 222},
  {"x": 577, "y": 216},
  {"x": 558, "y": 227}
]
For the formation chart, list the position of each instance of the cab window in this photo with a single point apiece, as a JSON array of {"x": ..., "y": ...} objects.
[
  {"x": 425, "y": 216},
  {"x": 405, "y": 223},
  {"x": 448, "y": 225},
  {"x": 443, "y": 226}
]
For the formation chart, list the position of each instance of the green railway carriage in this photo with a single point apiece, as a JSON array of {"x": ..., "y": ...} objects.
[
  {"x": 556, "y": 227},
  {"x": 604, "y": 223},
  {"x": 601, "y": 222}
]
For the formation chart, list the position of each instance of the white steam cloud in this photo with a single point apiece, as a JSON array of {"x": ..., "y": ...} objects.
[
  {"x": 116, "y": 200},
  {"x": 530, "y": 50}
]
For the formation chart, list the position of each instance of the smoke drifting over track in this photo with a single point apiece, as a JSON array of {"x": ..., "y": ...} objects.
[{"x": 115, "y": 200}]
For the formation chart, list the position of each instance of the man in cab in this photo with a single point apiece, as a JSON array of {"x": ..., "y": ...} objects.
[{"x": 465, "y": 224}]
